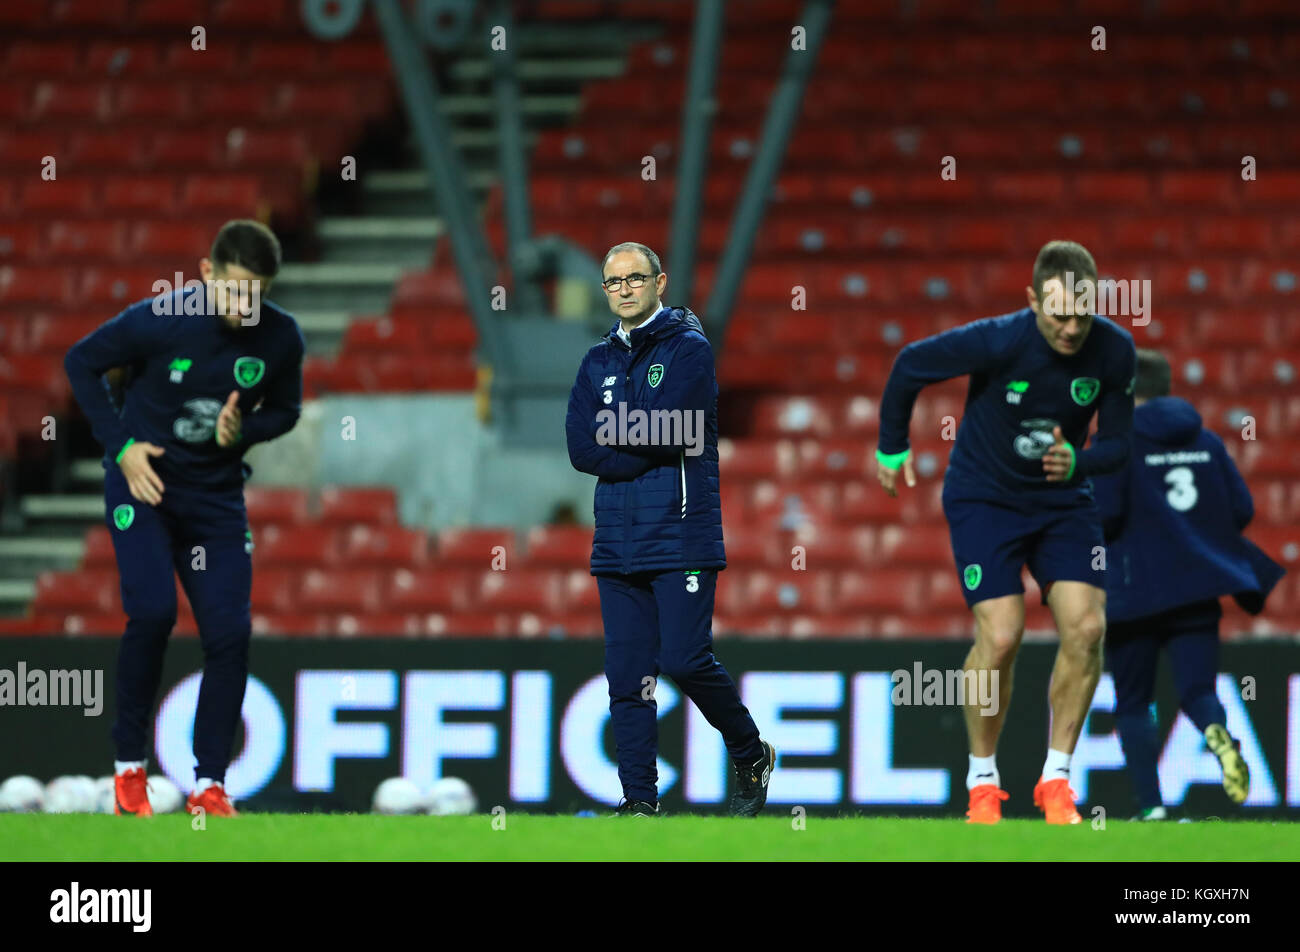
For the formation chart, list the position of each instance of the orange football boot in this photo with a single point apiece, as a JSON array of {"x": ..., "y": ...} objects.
[
  {"x": 213, "y": 801},
  {"x": 986, "y": 803},
  {"x": 131, "y": 793},
  {"x": 1056, "y": 800}
]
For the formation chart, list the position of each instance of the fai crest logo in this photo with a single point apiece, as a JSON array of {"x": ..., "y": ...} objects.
[
  {"x": 249, "y": 370},
  {"x": 656, "y": 374},
  {"x": 972, "y": 577},
  {"x": 123, "y": 516},
  {"x": 1084, "y": 390}
]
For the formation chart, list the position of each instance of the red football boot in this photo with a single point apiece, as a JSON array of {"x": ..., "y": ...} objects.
[
  {"x": 1056, "y": 800},
  {"x": 131, "y": 793},
  {"x": 986, "y": 804},
  {"x": 213, "y": 801}
]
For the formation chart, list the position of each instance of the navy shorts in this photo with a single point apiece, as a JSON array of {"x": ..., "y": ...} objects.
[{"x": 993, "y": 541}]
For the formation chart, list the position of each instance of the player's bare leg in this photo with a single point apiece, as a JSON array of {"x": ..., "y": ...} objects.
[
  {"x": 999, "y": 626},
  {"x": 1079, "y": 610}
]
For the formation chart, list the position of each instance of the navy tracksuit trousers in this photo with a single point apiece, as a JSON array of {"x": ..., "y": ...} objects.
[
  {"x": 202, "y": 536},
  {"x": 662, "y": 623},
  {"x": 1191, "y": 637}
]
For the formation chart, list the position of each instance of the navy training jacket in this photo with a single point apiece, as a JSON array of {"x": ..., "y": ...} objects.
[
  {"x": 1173, "y": 520},
  {"x": 657, "y": 507}
]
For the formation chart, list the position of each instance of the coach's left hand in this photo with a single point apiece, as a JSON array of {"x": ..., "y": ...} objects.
[
  {"x": 228, "y": 421},
  {"x": 1058, "y": 461}
]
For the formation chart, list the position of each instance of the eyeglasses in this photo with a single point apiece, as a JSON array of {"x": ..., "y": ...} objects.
[{"x": 634, "y": 281}]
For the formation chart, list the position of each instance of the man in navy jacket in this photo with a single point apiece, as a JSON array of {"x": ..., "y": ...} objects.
[
  {"x": 1173, "y": 520},
  {"x": 642, "y": 418}
]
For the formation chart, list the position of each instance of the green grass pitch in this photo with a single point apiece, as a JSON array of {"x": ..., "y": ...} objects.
[{"x": 270, "y": 837}]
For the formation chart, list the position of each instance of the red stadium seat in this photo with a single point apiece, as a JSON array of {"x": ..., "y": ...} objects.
[
  {"x": 82, "y": 591},
  {"x": 291, "y": 623},
  {"x": 783, "y": 592},
  {"x": 744, "y": 460},
  {"x": 122, "y": 57},
  {"x": 99, "y": 553},
  {"x": 103, "y": 624},
  {"x": 944, "y": 591},
  {"x": 519, "y": 590},
  {"x": 749, "y": 547},
  {"x": 390, "y": 546},
  {"x": 469, "y": 625},
  {"x": 1128, "y": 190},
  {"x": 451, "y": 330},
  {"x": 174, "y": 13},
  {"x": 73, "y": 196},
  {"x": 76, "y": 240},
  {"x": 274, "y": 589},
  {"x": 41, "y": 58},
  {"x": 276, "y": 58},
  {"x": 153, "y": 102},
  {"x": 834, "y": 460},
  {"x": 375, "y": 624},
  {"x": 139, "y": 194},
  {"x": 263, "y": 15},
  {"x": 187, "y": 150},
  {"x": 826, "y": 547},
  {"x": 785, "y": 416},
  {"x": 384, "y": 334},
  {"x": 1219, "y": 189},
  {"x": 375, "y": 505},
  {"x": 228, "y": 194},
  {"x": 926, "y": 625},
  {"x": 477, "y": 548},
  {"x": 51, "y": 338},
  {"x": 574, "y": 625},
  {"x": 878, "y": 591},
  {"x": 279, "y": 505},
  {"x": 297, "y": 545},
  {"x": 562, "y": 546},
  {"x": 828, "y": 625},
  {"x": 922, "y": 545},
  {"x": 342, "y": 590},
  {"x": 580, "y": 593},
  {"x": 166, "y": 240},
  {"x": 430, "y": 590},
  {"x": 107, "y": 150},
  {"x": 1235, "y": 235},
  {"x": 272, "y": 148},
  {"x": 69, "y": 102}
]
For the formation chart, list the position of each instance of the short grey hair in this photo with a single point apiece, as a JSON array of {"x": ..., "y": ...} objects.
[{"x": 655, "y": 268}]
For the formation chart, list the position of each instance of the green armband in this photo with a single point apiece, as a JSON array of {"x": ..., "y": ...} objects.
[
  {"x": 1074, "y": 458},
  {"x": 892, "y": 461},
  {"x": 123, "y": 450}
]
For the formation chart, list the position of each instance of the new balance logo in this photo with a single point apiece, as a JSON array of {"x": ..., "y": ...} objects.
[{"x": 609, "y": 381}]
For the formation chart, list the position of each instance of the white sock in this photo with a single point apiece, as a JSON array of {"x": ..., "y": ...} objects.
[
  {"x": 982, "y": 770},
  {"x": 202, "y": 784},
  {"x": 1057, "y": 766},
  {"x": 122, "y": 766}
]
